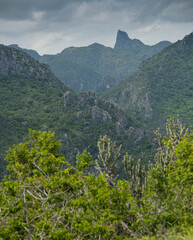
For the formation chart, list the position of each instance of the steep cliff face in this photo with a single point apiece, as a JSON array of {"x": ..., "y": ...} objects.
[
  {"x": 161, "y": 87},
  {"x": 186, "y": 44},
  {"x": 124, "y": 42},
  {"x": 18, "y": 63},
  {"x": 135, "y": 45}
]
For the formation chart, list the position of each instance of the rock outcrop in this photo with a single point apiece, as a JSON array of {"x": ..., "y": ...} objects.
[{"x": 124, "y": 42}]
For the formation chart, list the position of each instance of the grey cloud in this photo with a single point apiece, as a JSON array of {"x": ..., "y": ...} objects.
[
  {"x": 24, "y": 9},
  {"x": 164, "y": 10},
  {"x": 58, "y": 24},
  {"x": 179, "y": 11},
  {"x": 60, "y": 10}
]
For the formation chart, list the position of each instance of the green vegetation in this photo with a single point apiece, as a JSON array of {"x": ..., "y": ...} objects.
[
  {"x": 45, "y": 197},
  {"x": 161, "y": 87},
  {"x": 31, "y": 97},
  {"x": 103, "y": 193}
]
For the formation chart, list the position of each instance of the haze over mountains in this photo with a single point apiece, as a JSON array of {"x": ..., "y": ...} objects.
[{"x": 97, "y": 67}]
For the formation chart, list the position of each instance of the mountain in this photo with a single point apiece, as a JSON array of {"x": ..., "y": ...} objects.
[
  {"x": 162, "y": 86},
  {"x": 86, "y": 68},
  {"x": 29, "y": 91},
  {"x": 124, "y": 42},
  {"x": 31, "y": 52},
  {"x": 107, "y": 83},
  {"x": 31, "y": 97},
  {"x": 135, "y": 45},
  {"x": 75, "y": 75}
]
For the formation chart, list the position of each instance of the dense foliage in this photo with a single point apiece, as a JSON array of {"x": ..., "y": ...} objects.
[
  {"x": 45, "y": 201},
  {"x": 45, "y": 197}
]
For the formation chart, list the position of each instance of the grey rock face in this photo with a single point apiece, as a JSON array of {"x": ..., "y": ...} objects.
[
  {"x": 32, "y": 53},
  {"x": 16, "y": 62},
  {"x": 118, "y": 128},
  {"x": 68, "y": 98},
  {"x": 106, "y": 117},
  {"x": 86, "y": 99},
  {"x": 100, "y": 116},
  {"x": 137, "y": 98},
  {"x": 124, "y": 42},
  {"x": 96, "y": 114},
  {"x": 186, "y": 43}
]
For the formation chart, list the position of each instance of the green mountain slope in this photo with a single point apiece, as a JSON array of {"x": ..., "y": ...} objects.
[
  {"x": 85, "y": 68},
  {"x": 32, "y": 97},
  {"x": 162, "y": 86},
  {"x": 81, "y": 78}
]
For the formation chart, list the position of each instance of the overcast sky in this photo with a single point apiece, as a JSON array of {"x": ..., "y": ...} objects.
[{"x": 49, "y": 26}]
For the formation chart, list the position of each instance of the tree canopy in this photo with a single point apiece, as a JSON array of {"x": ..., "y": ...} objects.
[{"x": 45, "y": 197}]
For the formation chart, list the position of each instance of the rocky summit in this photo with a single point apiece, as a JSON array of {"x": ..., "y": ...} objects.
[{"x": 124, "y": 42}]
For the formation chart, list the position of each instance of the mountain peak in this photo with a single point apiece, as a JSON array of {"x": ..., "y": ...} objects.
[
  {"x": 187, "y": 42},
  {"x": 96, "y": 45},
  {"x": 122, "y": 35},
  {"x": 124, "y": 42}
]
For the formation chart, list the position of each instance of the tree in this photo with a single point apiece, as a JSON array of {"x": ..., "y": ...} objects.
[
  {"x": 45, "y": 197},
  {"x": 107, "y": 157},
  {"x": 167, "y": 199},
  {"x": 107, "y": 162}
]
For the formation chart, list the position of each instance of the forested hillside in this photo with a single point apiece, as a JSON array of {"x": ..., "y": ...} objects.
[
  {"x": 162, "y": 86},
  {"x": 31, "y": 97}
]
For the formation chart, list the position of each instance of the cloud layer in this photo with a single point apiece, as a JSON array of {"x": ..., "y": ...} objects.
[{"x": 50, "y": 26}]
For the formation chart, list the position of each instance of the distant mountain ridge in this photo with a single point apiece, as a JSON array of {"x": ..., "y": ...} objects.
[
  {"x": 162, "y": 86},
  {"x": 86, "y": 68},
  {"x": 124, "y": 42}
]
